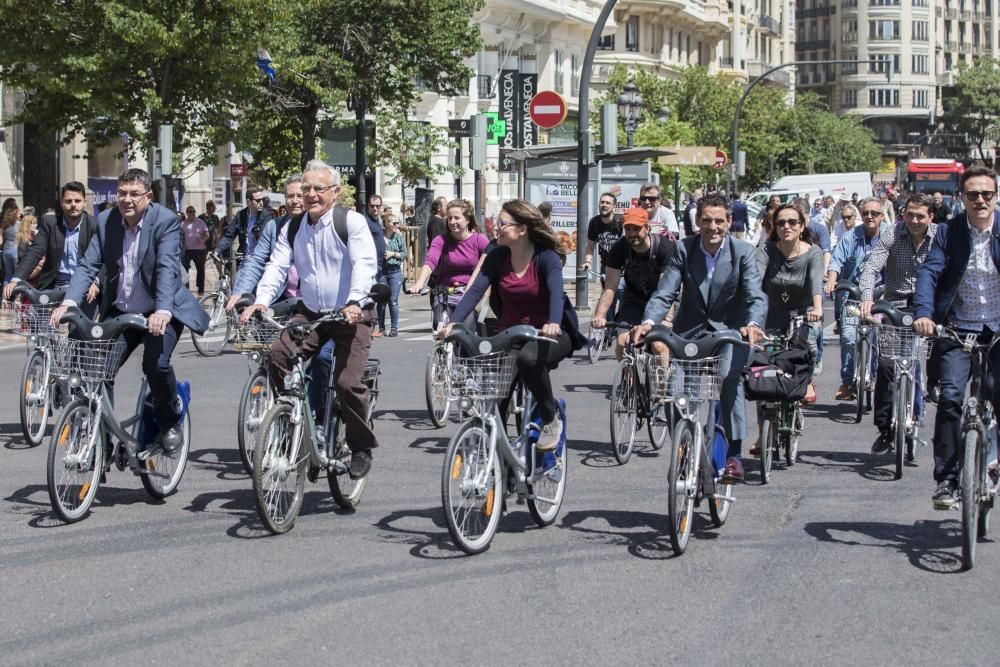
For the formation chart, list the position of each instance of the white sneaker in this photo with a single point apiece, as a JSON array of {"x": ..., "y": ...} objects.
[
  {"x": 819, "y": 368},
  {"x": 548, "y": 439}
]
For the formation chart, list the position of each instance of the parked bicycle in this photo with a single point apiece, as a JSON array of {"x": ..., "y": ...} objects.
[
  {"x": 88, "y": 438},
  {"x": 698, "y": 454},
  {"x": 978, "y": 482},
  {"x": 293, "y": 445},
  {"x": 900, "y": 346},
  {"x": 221, "y": 323},
  {"x": 634, "y": 400},
  {"x": 41, "y": 391},
  {"x": 482, "y": 467}
]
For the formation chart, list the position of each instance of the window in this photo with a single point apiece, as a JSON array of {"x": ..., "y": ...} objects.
[
  {"x": 632, "y": 34},
  {"x": 558, "y": 83},
  {"x": 921, "y": 3},
  {"x": 850, "y": 99},
  {"x": 883, "y": 97},
  {"x": 920, "y": 64},
  {"x": 574, "y": 74},
  {"x": 920, "y": 31},
  {"x": 849, "y": 30},
  {"x": 920, "y": 99},
  {"x": 883, "y": 3},
  {"x": 881, "y": 62},
  {"x": 880, "y": 30},
  {"x": 850, "y": 68},
  {"x": 607, "y": 43}
]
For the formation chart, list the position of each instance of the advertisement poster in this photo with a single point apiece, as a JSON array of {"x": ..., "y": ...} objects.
[{"x": 105, "y": 190}]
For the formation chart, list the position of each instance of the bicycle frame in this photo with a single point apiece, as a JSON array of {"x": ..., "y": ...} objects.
[{"x": 707, "y": 479}]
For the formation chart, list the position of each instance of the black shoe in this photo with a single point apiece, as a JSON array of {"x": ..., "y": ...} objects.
[
  {"x": 171, "y": 439},
  {"x": 933, "y": 394},
  {"x": 393, "y": 332},
  {"x": 361, "y": 463},
  {"x": 911, "y": 446},
  {"x": 945, "y": 497},
  {"x": 882, "y": 444}
]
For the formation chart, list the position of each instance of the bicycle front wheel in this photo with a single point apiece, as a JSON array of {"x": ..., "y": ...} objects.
[
  {"x": 766, "y": 446},
  {"x": 596, "y": 337},
  {"x": 969, "y": 488},
  {"x": 792, "y": 450},
  {"x": 624, "y": 410},
  {"x": 34, "y": 399},
  {"x": 213, "y": 341},
  {"x": 471, "y": 488},
  {"x": 862, "y": 366},
  {"x": 279, "y": 474},
  {"x": 902, "y": 412},
  {"x": 162, "y": 471},
  {"x": 74, "y": 464},
  {"x": 254, "y": 403},
  {"x": 436, "y": 378},
  {"x": 682, "y": 483}
]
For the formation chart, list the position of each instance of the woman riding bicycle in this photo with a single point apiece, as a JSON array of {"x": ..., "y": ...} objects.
[
  {"x": 524, "y": 276},
  {"x": 792, "y": 269},
  {"x": 453, "y": 256}
]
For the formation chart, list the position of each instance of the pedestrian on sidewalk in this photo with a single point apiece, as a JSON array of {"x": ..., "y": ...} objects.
[
  {"x": 395, "y": 257},
  {"x": 195, "y": 239}
]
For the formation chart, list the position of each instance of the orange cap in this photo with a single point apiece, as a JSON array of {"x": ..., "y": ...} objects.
[{"x": 637, "y": 217}]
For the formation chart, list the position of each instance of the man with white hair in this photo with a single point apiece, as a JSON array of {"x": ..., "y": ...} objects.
[{"x": 334, "y": 255}]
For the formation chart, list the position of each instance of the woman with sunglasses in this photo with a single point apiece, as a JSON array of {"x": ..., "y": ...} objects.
[{"x": 792, "y": 266}]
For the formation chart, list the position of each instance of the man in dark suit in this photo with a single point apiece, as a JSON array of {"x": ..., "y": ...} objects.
[
  {"x": 137, "y": 244},
  {"x": 62, "y": 242},
  {"x": 715, "y": 282},
  {"x": 959, "y": 285},
  {"x": 248, "y": 224}
]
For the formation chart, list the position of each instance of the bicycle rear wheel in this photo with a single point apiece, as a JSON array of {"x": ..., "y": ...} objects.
[
  {"x": 792, "y": 450},
  {"x": 766, "y": 446},
  {"x": 862, "y": 365},
  {"x": 658, "y": 424},
  {"x": 254, "y": 403},
  {"x": 435, "y": 380},
  {"x": 624, "y": 409},
  {"x": 213, "y": 341},
  {"x": 471, "y": 493},
  {"x": 279, "y": 470},
  {"x": 163, "y": 470},
  {"x": 74, "y": 468},
  {"x": 34, "y": 399},
  {"x": 904, "y": 403},
  {"x": 721, "y": 503},
  {"x": 546, "y": 489},
  {"x": 682, "y": 483},
  {"x": 347, "y": 492},
  {"x": 969, "y": 489}
]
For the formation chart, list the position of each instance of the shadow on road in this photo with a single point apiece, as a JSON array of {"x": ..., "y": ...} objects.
[
  {"x": 33, "y": 500},
  {"x": 925, "y": 543},
  {"x": 863, "y": 463},
  {"x": 226, "y": 463},
  {"x": 600, "y": 455},
  {"x": 423, "y": 529},
  {"x": 838, "y": 413},
  {"x": 12, "y": 437},
  {"x": 603, "y": 389},
  {"x": 642, "y": 533},
  {"x": 412, "y": 420},
  {"x": 241, "y": 503}
]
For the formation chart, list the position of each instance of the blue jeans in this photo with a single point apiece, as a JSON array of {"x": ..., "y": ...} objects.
[
  {"x": 319, "y": 373},
  {"x": 394, "y": 279},
  {"x": 848, "y": 337}
]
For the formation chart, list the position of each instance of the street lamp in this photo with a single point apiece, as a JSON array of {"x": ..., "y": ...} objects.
[
  {"x": 663, "y": 115},
  {"x": 630, "y": 110}
]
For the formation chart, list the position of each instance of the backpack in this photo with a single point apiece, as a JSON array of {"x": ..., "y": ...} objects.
[{"x": 339, "y": 225}]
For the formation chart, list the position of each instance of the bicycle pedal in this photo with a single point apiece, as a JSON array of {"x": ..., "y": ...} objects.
[{"x": 725, "y": 499}]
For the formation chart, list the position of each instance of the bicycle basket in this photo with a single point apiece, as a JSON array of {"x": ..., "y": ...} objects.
[
  {"x": 658, "y": 371},
  {"x": 486, "y": 376},
  {"x": 91, "y": 360},
  {"x": 256, "y": 335},
  {"x": 850, "y": 313},
  {"x": 901, "y": 343},
  {"x": 30, "y": 319},
  {"x": 696, "y": 379}
]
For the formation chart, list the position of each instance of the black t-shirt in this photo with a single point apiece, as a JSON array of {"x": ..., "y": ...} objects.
[
  {"x": 604, "y": 235},
  {"x": 435, "y": 227},
  {"x": 642, "y": 272}
]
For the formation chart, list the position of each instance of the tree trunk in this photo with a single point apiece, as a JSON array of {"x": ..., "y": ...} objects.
[{"x": 309, "y": 123}]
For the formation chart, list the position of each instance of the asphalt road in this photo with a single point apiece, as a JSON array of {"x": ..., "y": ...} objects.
[{"x": 832, "y": 563}]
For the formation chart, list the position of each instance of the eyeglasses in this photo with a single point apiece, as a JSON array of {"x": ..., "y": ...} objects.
[
  {"x": 974, "y": 195},
  {"x": 649, "y": 198},
  {"x": 871, "y": 214},
  {"x": 501, "y": 223},
  {"x": 122, "y": 194},
  {"x": 257, "y": 201},
  {"x": 787, "y": 222},
  {"x": 374, "y": 205},
  {"x": 318, "y": 189}
]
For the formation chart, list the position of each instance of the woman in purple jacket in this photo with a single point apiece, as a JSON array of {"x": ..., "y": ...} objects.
[{"x": 524, "y": 276}]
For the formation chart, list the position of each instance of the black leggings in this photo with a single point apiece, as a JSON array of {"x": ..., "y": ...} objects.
[{"x": 534, "y": 361}]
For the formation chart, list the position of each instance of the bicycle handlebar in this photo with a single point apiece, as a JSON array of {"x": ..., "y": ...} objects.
[
  {"x": 108, "y": 329},
  {"x": 39, "y": 297},
  {"x": 502, "y": 342}
]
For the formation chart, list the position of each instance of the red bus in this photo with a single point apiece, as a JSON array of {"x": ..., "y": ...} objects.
[{"x": 930, "y": 176}]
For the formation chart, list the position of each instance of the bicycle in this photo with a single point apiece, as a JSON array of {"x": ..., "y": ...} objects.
[
  {"x": 221, "y": 322},
  {"x": 864, "y": 375},
  {"x": 978, "y": 480},
  {"x": 254, "y": 339},
  {"x": 781, "y": 422},
  {"x": 482, "y": 468},
  {"x": 41, "y": 391},
  {"x": 899, "y": 345},
  {"x": 634, "y": 400},
  {"x": 693, "y": 380},
  {"x": 88, "y": 437},
  {"x": 440, "y": 359},
  {"x": 601, "y": 339},
  {"x": 293, "y": 446}
]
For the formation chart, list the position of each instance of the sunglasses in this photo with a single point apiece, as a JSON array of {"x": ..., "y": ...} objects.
[
  {"x": 871, "y": 214},
  {"x": 974, "y": 195},
  {"x": 649, "y": 198},
  {"x": 788, "y": 222}
]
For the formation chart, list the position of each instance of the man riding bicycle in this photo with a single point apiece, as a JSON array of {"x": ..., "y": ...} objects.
[
  {"x": 333, "y": 275},
  {"x": 714, "y": 278},
  {"x": 137, "y": 245},
  {"x": 641, "y": 258},
  {"x": 895, "y": 259},
  {"x": 959, "y": 285}
]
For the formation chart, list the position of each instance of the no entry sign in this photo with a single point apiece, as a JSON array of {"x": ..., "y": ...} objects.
[{"x": 547, "y": 109}]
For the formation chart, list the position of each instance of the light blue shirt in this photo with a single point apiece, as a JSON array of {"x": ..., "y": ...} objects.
[
  {"x": 71, "y": 255},
  {"x": 251, "y": 221},
  {"x": 711, "y": 260}
]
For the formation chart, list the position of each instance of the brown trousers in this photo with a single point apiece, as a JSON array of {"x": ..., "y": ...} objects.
[{"x": 351, "y": 343}]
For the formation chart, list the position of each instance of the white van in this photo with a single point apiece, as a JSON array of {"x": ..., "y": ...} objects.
[{"x": 811, "y": 186}]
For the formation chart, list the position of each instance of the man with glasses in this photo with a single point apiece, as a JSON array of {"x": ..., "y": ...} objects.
[
  {"x": 137, "y": 245},
  {"x": 373, "y": 216},
  {"x": 248, "y": 225},
  {"x": 845, "y": 264},
  {"x": 959, "y": 285},
  {"x": 661, "y": 219}
]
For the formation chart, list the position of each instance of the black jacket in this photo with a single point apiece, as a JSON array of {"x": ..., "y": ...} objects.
[
  {"x": 49, "y": 242},
  {"x": 239, "y": 226}
]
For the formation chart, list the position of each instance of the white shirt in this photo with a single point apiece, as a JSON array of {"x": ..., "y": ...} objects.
[
  {"x": 664, "y": 221},
  {"x": 330, "y": 274},
  {"x": 978, "y": 302}
]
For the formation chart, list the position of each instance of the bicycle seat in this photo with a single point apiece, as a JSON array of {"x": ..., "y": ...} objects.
[
  {"x": 40, "y": 297},
  {"x": 896, "y": 316},
  {"x": 108, "y": 329},
  {"x": 706, "y": 345},
  {"x": 285, "y": 307},
  {"x": 504, "y": 341}
]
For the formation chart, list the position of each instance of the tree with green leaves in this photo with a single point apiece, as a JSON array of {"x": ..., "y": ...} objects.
[
  {"x": 971, "y": 109},
  {"x": 407, "y": 147}
]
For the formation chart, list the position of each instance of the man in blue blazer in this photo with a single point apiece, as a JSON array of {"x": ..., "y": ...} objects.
[
  {"x": 137, "y": 244},
  {"x": 716, "y": 280},
  {"x": 959, "y": 285}
]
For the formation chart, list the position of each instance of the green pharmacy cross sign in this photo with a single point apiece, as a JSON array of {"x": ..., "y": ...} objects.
[{"x": 495, "y": 128}]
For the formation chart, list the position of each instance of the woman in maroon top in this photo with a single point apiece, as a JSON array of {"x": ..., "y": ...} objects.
[{"x": 524, "y": 275}]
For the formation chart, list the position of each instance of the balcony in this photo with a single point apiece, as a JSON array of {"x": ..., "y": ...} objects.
[
  {"x": 770, "y": 24},
  {"x": 946, "y": 79},
  {"x": 484, "y": 84},
  {"x": 938, "y": 12},
  {"x": 815, "y": 12},
  {"x": 951, "y": 46},
  {"x": 978, "y": 15},
  {"x": 815, "y": 45},
  {"x": 966, "y": 15},
  {"x": 964, "y": 48},
  {"x": 756, "y": 69},
  {"x": 951, "y": 13}
]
